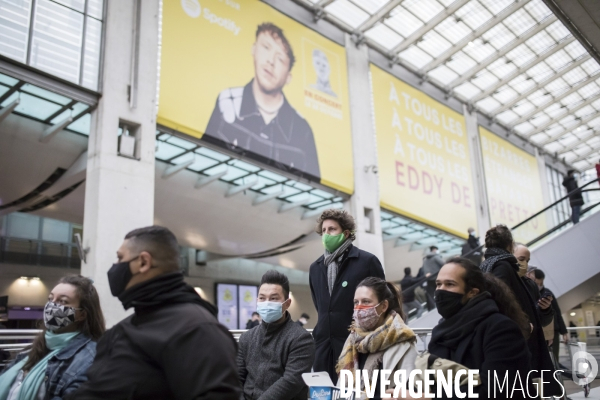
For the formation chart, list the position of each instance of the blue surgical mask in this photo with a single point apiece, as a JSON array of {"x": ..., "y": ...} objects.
[{"x": 270, "y": 311}]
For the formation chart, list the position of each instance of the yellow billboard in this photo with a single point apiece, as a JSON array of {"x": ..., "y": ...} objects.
[
  {"x": 514, "y": 189},
  {"x": 423, "y": 151},
  {"x": 242, "y": 76}
]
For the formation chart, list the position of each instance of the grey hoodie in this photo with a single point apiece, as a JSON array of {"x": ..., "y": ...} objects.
[{"x": 432, "y": 263}]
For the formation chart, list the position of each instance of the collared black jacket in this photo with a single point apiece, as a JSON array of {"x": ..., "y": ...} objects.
[
  {"x": 287, "y": 142},
  {"x": 335, "y": 311}
]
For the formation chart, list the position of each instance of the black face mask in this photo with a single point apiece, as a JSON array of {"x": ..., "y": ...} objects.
[
  {"x": 448, "y": 303},
  {"x": 119, "y": 276}
]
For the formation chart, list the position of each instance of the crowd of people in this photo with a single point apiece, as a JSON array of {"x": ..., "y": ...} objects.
[{"x": 173, "y": 347}]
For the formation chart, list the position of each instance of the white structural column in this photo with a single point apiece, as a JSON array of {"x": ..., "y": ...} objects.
[
  {"x": 364, "y": 203},
  {"x": 541, "y": 162},
  {"x": 478, "y": 173},
  {"x": 120, "y": 191}
]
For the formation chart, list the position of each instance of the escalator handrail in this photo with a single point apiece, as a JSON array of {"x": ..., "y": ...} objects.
[{"x": 480, "y": 247}]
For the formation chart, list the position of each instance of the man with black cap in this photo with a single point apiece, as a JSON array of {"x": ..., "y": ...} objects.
[{"x": 166, "y": 349}]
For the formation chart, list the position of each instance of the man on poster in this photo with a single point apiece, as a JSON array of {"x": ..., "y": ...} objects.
[{"x": 258, "y": 119}]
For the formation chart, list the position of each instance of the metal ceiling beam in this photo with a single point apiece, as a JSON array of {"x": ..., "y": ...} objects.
[
  {"x": 556, "y": 119},
  {"x": 7, "y": 110},
  {"x": 381, "y": 13},
  {"x": 554, "y": 100},
  {"x": 584, "y": 155},
  {"x": 543, "y": 83},
  {"x": 520, "y": 70},
  {"x": 496, "y": 19},
  {"x": 324, "y": 3},
  {"x": 579, "y": 142},
  {"x": 429, "y": 25},
  {"x": 503, "y": 51},
  {"x": 582, "y": 122}
]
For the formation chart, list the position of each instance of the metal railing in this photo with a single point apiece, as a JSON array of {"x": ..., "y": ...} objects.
[{"x": 39, "y": 252}]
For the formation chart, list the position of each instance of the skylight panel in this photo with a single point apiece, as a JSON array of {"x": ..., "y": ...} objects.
[
  {"x": 473, "y": 14},
  {"x": 347, "y": 12},
  {"x": 499, "y": 36},
  {"x": 523, "y": 85},
  {"x": 423, "y": 9},
  {"x": 590, "y": 66},
  {"x": 461, "y": 63},
  {"x": 540, "y": 97},
  {"x": 538, "y": 10},
  {"x": 502, "y": 67},
  {"x": 496, "y": 6},
  {"x": 507, "y": 116},
  {"x": 505, "y": 96},
  {"x": 589, "y": 90},
  {"x": 559, "y": 60},
  {"x": 452, "y": 30},
  {"x": 479, "y": 51},
  {"x": 383, "y": 35},
  {"x": 443, "y": 74},
  {"x": 484, "y": 80},
  {"x": 558, "y": 31},
  {"x": 541, "y": 42},
  {"x": 539, "y": 120},
  {"x": 556, "y": 87},
  {"x": 403, "y": 22},
  {"x": 524, "y": 129},
  {"x": 519, "y": 22},
  {"x": 434, "y": 44},
  {"x": 521, "y": 55},
  {"x": 467, "y": 90},
  {"x": 539, "y": 72},
  {"x": 575, "y": 50},
  {"x": 488, "y": 104},
  {"x": 553, "y": 146},
  {"x": 538, "y": 138},
  {"x": 416, "y": 56},
  {"x": 371, "y": 6}
]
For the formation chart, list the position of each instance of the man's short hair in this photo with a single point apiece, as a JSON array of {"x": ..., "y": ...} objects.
[
  {"x": 255, "y": 313},
  {"x": 277, "y": 32},
  {"x": 432, "y": 248},
  {"x": 273, "y": 277},
  {"x": 160, "y": 242},
  {"x": 305, "y": 315},
  {"x": 407, "y": 271},
  {"x": 539, "y": 274},
  {"x": 570, "y": 172}
]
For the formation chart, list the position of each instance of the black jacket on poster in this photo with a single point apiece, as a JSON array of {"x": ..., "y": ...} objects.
[
  {"x": 479, "y": 337},
  {"x": 506, "y": 270},
  {"x": 172, "y": 347},
  {"x": 335, "y": 311},
  {"x": 576, "y": 199}
]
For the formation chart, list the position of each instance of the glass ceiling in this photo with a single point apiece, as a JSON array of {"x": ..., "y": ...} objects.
[
  {"x": 44, "y": 106},
  {"x": 206, "y": 162},
  {"x": 406, "y": 232},
  {"x": 513, "y": 60}
]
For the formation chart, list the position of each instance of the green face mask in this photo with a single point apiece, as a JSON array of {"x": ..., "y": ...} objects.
[{"x": 332, "y": 242}]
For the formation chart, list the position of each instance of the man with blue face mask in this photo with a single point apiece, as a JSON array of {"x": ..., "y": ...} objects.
[{"x": 273, "y": 356}]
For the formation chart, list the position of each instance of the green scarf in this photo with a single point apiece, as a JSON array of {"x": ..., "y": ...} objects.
[{"x": 32, "y": 382}]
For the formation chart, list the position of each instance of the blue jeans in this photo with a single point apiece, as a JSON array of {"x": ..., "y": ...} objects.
[{"x": 576, "y": 211}]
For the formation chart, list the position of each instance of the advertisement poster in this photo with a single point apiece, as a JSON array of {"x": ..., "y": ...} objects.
[
  {"x": 423, "y": 151},
  {"x": 227, "y": 303},
  {"x": 513, "y": 185},
  {"x": 247, "y": 296},
  {"x": 242, "y": 76}
]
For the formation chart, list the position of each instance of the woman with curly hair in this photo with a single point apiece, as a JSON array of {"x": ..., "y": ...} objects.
[
  {"x": 482, "y": 328},
  {"x": 333, "y": 280}
]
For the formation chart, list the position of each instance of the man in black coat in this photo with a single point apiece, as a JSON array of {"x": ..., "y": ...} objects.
[
  {"x": 500, "y": 262},
  {"x": 407, "y": 284},
  {"x": 576, "y": 198},
  {"x": 333, "y": 280},
  {"x": 167, "y": 348},
  {"x": 560, "y": 329}
]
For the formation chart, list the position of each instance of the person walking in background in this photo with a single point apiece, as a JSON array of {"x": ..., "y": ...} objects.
[
  {"x": 272, "y": 357},
  {"x": 172, "y": 347},
  {"x": 432, "y": 263},
  {"x": 408, "y": 296},
  {"x": 379, "y": 337},
  {"x": 469, "y": 248},
  {"x": 575, "y": 196},
  {"x": 303, "y": 320},
  {"x": 333, "y": 279},
  {"x": 253, "y": 321},
  {"x": 61, "y": 354},
  {"x": 500, "y": 262},
  {"x": 543, "y": 304},
  {"x": 560, "y": 329},
  {"x": 482, "y": 328}
]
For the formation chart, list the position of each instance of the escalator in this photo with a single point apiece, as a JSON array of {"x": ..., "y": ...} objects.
[{"x": 568, "y": 253}]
